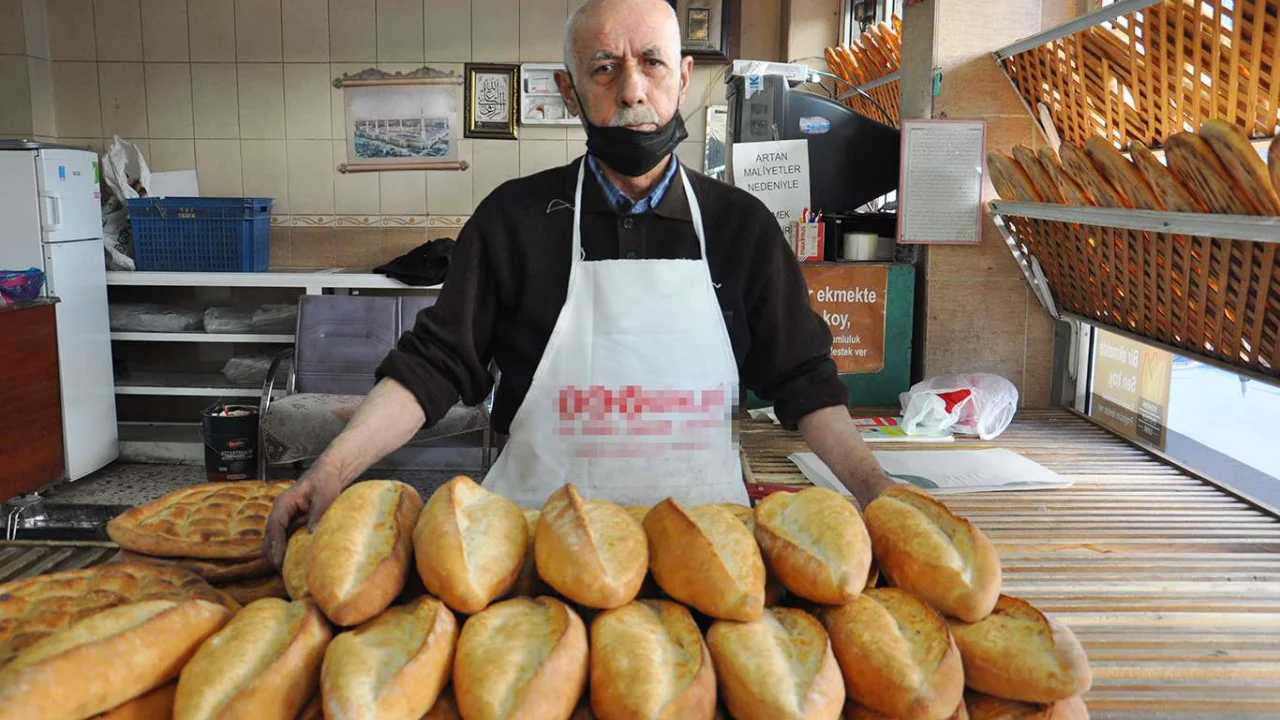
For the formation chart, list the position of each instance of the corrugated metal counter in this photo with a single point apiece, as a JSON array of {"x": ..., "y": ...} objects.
[
  {"x": 1172, "y": 585},
  {"x": 23, "y": 558}
]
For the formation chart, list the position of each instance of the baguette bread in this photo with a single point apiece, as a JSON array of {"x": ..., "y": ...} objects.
[
  {"x": 1273, "y": 162},
  {"x": 1019, "y": 654},
  {"x": 470, "y": 545},
  {"x": 855, "y": 711},
  {"x": 1122, "y": 174},
  {"x": 704, "y": 557},
  {"x": 922, "y": 547},
  {"x": 1045, "y": 187},
  {"x": 1068, "y": 188},
  {"x": 638, "y": 512},
  {"x": 1081, "y": 168},
  {"x": 648, "y": 662},
  {"x": 896, "y": 655},
  {"x": 225, "y": 520},
  {"x": 815, "y": 543},
  {"x": 360, "y": 553},
  {"x": 521, "y": 658},
  {"x": 294, "y": 568},
  {"x": 774, "y": 593},
  {"x": 392, "y": 667},
  {"x": 590, "y": 551},
  {"x": 246, "y": 591},
  {"x": 528, "y": 584},
  {"x": 444, "y": 709},
  {"x": 1193, "y": 161},
  {"x": 264, "y": 664},
  {"x": 1173, "y": 194},
  {"x": 314, "y": 709},
  {"x": 778, "y": 667},
  {"x": 106, "y": 659},
  {"x": 1244, "y": 165},
  {"x": 213, "y": 571},
  {"x": 1010, "y": 180},
  {"x": 986, "y": 707},
  {"x": 155, "y": 705}
]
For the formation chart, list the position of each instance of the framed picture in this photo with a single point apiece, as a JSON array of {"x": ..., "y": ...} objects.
[
  {"x": 540, "y": 101},
  {"x": 400, "y": 121},
  {"x": 709, "y": 29},
  {"x": 492, "y": 101}
]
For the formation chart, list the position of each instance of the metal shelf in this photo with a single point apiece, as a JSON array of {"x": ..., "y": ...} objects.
[
  {"x": 203, "y": 337},
  {"x": 1223, "y": 227},
  {"x": 313, "y": 280},
  {"x": 184, "y": 385}
]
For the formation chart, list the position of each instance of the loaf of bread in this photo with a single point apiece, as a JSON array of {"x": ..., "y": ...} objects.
[
  {"x": 986, "y": 707},
  {"x": 264, "y": 664},
  {"x": 313, "y": 710},
  {"x": 777, "y": 667},
  {"x": 1045, "y": 187},
  {"x": 638, "y": 512},
  {"x": 392, "y": 667},
  {"x": 815, "y": 543},
  {"x": 1273, "y": 162},
  {"x": 211, "y": 520},
  {"x": 521, "y": 658},
  {"x": 1173, "y": 194},
  {"x": 1193, "y": 161},
  {"x": 855, "y": 711},
  {"x": 106, "y": 659},
  {"x": 155, "y": 705},
  {"x": 246, "y": 591},
  {"x": 896, "y": 655},
  {"x": 1244, "y": 165},
  {"x": 444, "y": 709},
  {"x": 470, "y": 545},
  {"x": 922, "y": 547},
  {"x": 648, "y": 662},
  {"x": 590, "y": 551},
  {"x": 1122, "y": 174},
  {"x": 361, "y": 550},
  {"x": 294, "y": 568},
  {"x": 1068, "y": 188},
  {"x": 528, "y": 584},
  {"x": 1081, "y": 168},
  {"x": 214, "y": 571},
  {"x": 704, "y": 557},
  {"x": 1018, "y": 653},
  {"x": 1011, "y": 181}
]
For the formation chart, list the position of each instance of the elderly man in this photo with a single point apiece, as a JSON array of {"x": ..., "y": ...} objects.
[{"x": 625, "y": 300}]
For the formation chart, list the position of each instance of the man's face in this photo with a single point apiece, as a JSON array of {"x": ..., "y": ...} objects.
[{"x": 629, "y": 72}]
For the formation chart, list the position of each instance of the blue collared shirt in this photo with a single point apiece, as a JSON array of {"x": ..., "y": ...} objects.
[{"x": 625, "y": 205}]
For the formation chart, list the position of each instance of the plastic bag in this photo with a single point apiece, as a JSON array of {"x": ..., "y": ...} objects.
[
  {"x": 972, "y": 404},
  {"x": 20, "y": 285},
  {"x": 125, "y": 175},
  {"x": 145, "y": 317},
  {"x": 278, "y": 318},
  {"x": 250, "y": 369},
  {"x": 228, "y": 320}
]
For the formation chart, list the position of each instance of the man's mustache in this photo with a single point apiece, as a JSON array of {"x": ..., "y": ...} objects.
[{"x": 635, "y": 116}]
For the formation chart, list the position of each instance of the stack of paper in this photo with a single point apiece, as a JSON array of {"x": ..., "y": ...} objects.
[{"x": 946, "y": 472}]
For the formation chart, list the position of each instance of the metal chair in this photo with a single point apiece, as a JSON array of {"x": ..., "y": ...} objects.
[{"x": 337, "y": 347}]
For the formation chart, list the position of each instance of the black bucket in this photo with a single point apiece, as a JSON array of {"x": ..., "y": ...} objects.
[{"x": 230, "y": 435}]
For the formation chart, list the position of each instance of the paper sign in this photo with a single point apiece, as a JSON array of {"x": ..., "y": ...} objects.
[
  {"x": 778, "y": 174},
  {"x": 945, "y": 472},
  {"x": 941, "y": 181},
  {"x": 1131, "y": 388},
  {"x": 851, "y": 298}
]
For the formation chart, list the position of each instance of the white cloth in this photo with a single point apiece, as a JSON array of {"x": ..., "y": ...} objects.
[{"x": 633, "y": 398}]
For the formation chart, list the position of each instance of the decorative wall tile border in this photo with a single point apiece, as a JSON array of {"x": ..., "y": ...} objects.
[
  {"x": 404, "y": 221},
  {"x": 447, "y": 221},
  {"x": 370, "y": 221},
  {"x": 312, "y": 220},
  {"x": 366, "y": 221}
]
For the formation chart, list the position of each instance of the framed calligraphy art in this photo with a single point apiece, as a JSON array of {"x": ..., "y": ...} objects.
[
  {"x": 709, "y": 29},
  {"x": 492, "y": 102}
]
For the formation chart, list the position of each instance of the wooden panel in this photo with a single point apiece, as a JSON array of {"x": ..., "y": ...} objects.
[
  {"x": 1172, "y": 585},
  {"x": 30, "y": 404}
]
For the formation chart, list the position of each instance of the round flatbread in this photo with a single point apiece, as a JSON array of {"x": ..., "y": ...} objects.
[
  {"x": 1193, "y": 161},
  {"x": 1044, "y": 185},
  {"x": 215, "y": 571},
  {"x": 224, "y": 520},
  {"x": 1011, "y": 182},
  {"x": 1175, "y": 196},
  {"x": 1081, "y": 168},
  {"x": 1244, "y": 166},
  {"x": 1068, "y": 188},
  {"x": 1122, "y": 174}
]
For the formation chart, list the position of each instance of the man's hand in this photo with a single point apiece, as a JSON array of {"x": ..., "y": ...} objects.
[
  {"x": 834, "y": 438},
  {"x": 305, "y": 502}
]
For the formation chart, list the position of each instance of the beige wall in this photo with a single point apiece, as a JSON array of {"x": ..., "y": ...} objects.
[
  {"x": 240, "y": 91},
  {"x": 982, "y": 316}
]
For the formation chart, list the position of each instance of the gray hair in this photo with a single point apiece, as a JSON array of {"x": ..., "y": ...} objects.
[{"x": 584, "y": 12}]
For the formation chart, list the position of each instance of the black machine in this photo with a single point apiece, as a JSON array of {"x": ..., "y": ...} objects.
[{"x": 852, "y": 159}]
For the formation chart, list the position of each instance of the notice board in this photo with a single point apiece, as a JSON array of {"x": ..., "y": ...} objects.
[
  {"x": 851, "y": 298},
  {"x": 1131, "y": 388}
]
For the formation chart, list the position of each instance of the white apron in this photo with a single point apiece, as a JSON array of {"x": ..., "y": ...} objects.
[{"x": 633, "y": 399}]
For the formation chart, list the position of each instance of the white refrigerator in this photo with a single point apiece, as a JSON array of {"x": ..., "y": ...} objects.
[{"x": 51, "y": 219}]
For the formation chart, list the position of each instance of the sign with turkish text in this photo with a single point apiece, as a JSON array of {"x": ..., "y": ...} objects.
[
  {"x": 851, "y": 298},
  {"x": 1131, "y": 388},
  {"x": 778, "y": 174}
]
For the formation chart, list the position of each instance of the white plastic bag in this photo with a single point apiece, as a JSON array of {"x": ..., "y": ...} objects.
[
  {"x": 972, "y": 404},
  {"x": 125, "y": 175}
]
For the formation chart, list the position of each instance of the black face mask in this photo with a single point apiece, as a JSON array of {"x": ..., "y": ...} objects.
[{"x": 630, "y": 152}]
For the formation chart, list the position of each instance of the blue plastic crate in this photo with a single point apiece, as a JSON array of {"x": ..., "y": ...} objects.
[{"x": 201, "y": 234}]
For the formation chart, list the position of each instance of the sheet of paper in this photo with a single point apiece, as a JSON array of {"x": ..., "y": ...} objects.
[
  {"x": 777, "y": 173},
  {"x": 176, "y": 183},
  {"x": 941, "y": 189},
  {"x": 946, "y": 472}
]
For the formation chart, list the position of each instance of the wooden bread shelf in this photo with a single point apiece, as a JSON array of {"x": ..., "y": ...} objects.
[
  {"x": 871, "y": 65},
  {"x": 1141, "y": 70}
]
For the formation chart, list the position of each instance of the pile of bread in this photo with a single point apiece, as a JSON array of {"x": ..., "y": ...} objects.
[
  {"x": 1214, "y": 171},
  {"x": 214, "y": 530},
  {"x": 469, "y": 607}
]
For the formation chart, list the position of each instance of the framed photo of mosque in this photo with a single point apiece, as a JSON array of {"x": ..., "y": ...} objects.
[
  {"x": 709, "y": 29},
  {"x": 400, "y": 121}
]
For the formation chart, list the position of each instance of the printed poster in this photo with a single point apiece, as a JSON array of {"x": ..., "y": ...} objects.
[
  {"x": 851, "y": 298},
  {"x": 1131, "y": 388}
]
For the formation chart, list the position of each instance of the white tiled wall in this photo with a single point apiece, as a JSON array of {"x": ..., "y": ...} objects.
[{"x": 241, "y": 91}]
